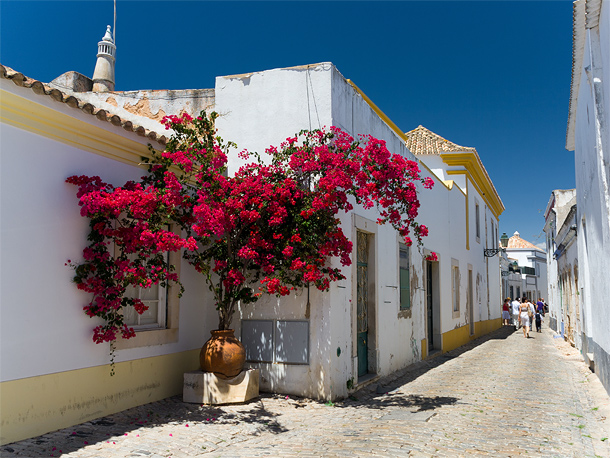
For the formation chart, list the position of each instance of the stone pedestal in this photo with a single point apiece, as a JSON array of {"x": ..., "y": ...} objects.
[{"x": 206, "y": 388}]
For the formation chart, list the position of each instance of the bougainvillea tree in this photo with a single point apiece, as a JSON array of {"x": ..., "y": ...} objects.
[{"x": 272, "y": 227}]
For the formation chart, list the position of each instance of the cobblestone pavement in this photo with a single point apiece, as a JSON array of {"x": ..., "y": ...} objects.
[{"x": 501, "y": 396}]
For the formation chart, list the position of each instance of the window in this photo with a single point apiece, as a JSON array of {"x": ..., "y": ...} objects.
[
  {"x": 404, "y": 278},
  {"x": 477, "y": 215},
  {"x": 155, "y": 298},
  {"x": 493, "y": 235},
  {"x": 455, "y": 287},
  {"x": 159, "y": 324}
]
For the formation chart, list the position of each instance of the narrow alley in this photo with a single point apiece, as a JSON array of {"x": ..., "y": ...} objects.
[{"x": 501, "y": 396}]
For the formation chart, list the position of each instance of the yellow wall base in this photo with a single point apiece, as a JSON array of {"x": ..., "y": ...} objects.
[
  {"x": 37, "y": 405},
  {"x": 460, "y": 336}
]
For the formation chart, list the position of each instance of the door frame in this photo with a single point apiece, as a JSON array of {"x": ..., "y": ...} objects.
[
  {"x": 433, "y": 268},
  {"x": 369, "y": 227}
]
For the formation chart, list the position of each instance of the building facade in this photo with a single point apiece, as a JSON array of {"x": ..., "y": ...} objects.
[
  {"x": 529, "y": 262},
  {"x": 588, "y": 136},
  {"x": 321, "y": 345},
  {"x": 562, "y": 260}
]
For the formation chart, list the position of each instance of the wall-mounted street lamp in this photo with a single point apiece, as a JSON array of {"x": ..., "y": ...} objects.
[{"x": 504, "y": 240}]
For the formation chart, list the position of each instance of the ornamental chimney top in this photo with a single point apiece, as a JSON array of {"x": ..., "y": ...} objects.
[{"x": 103, "y": 75}]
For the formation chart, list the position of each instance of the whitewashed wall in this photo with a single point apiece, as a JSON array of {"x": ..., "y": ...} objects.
[
  {"x": 258, "y": 110},
  {"x": 43, "y": 327},
  {"x": 592, "y": 163},
  {"x": 262, "y": 109}
]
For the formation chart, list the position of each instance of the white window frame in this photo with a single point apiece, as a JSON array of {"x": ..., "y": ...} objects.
[
  {"x": 148, "y": 335},
  {"x": 455, "y": 287},
  {"x": 161, "y": 318}
]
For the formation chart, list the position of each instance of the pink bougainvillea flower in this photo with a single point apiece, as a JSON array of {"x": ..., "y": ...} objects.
[{"x": 272, "y": 226}]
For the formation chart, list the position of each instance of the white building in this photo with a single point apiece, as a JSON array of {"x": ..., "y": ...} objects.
[
  {"x": 512, "y": 281},
  {"x": 450, "y": 301},
  {"x": 529, "y": 262},
  {"x": 562, "y": 261},
  {"x": 588, "y": 136},
  {"x": 321, "y": 345}
]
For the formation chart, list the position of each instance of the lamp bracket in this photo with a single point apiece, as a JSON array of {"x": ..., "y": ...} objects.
[{"x": 491, "y": 252}]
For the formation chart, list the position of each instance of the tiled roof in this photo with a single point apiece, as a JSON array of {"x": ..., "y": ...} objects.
[
  {"x": 517, "y": 242},
  {"x": 72, "y": 100},
  {"x": 424, "y": 141}
]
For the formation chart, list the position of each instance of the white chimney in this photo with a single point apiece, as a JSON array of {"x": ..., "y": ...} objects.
[{"x": 103, "y": 76}]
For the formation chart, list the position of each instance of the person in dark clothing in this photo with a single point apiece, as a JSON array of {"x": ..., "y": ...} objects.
[{"x": 539, "y": 314}]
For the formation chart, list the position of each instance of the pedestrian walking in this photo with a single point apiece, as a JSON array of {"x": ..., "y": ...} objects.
[
  {"x": 524, "y": 314},
  {"x": 539, "y": 314},
  {"x": 515, "y": 312},
  {"x": 505, "y": 311}
]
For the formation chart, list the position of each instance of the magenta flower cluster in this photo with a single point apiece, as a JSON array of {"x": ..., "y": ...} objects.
[{"x": 271, "y": 228}]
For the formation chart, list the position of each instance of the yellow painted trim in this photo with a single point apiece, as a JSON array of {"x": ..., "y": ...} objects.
[
  {"x": 380, "y": 113},
  {"x": 424, "y": 348},
  {"x": 36, "y": 405},
  {"x": 392, "y": 126},
  {"x": 467, "y": 217},
  {"x": 41, "y": 120},
  {"x": 473, "y": 165},
  {"x": 450, "y": 184},
  {"x": 460, "y": 336},
  {"x": 423, "y": 165},
  {"x": 485, "y": 327}
]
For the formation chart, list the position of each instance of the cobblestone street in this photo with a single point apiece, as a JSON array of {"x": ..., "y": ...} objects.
[{"x": 501, "y": 396}]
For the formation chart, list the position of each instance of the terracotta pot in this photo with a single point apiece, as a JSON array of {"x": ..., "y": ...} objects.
[{"x": 223, "y": 354}]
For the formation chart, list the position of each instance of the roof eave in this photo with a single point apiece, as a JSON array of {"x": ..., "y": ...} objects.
[
  {"x": 578, "y": 50},
  {"x": 73, "y": 100},
  {"x": 472, "y": 162}
]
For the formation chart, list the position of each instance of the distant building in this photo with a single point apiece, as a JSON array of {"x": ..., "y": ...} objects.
[
  {"x": 529, "y": 261},
  {"x": 512, "y": 282},
  {"x": 562, "y": 261},
  {"x": 588, "y": 135}
]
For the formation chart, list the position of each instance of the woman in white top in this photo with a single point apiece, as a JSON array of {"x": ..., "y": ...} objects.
[{"x": 524, "y": 310}]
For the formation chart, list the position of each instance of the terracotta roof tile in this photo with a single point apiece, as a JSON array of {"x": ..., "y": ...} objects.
[
  {"x": 73, "y": 101},
  {"x": 424, "y": 141},
  {"x": 517, "y": 242}
]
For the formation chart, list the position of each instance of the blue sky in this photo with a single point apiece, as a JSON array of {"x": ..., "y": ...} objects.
[{"x": 494, "y": 75}]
